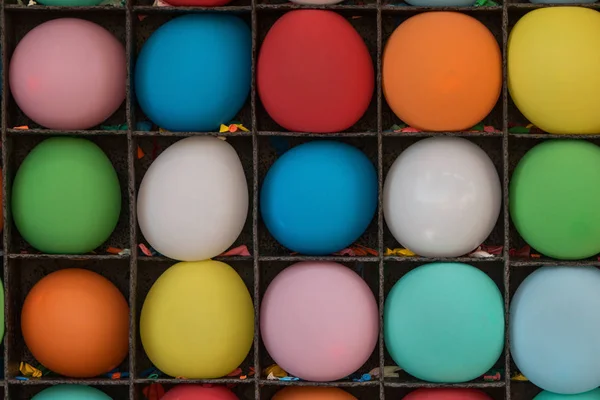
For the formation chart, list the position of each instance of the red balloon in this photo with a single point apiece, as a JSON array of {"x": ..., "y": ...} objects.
[
  {"x": 314, "y": 72},
  {"x": 447, "y": 394},
  {"x": 195, "y": 392},
  {"x": 198, "y": 3}
]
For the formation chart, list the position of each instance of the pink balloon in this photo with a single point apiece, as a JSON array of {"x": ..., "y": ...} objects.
[
  {"x": 195, "y": 392},
  {"x": 68, "y": 73},
  {"x": 319, "y": 321}
]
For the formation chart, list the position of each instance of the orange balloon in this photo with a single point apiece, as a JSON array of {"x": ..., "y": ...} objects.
[
  {"x": 312, "y": 393},
  {"x": 76, "y": 323},
  {"x": 442, "y": 71}
]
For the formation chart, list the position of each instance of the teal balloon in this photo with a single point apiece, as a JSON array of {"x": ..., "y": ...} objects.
[
  {"x": 444, "y": 322},
  {"x": 71, "y": 392},
  {"x": 591, "y": 395}
]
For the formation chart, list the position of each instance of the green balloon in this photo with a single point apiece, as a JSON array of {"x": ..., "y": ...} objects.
[
  {"x": 71, "y": 392},
  {"x": 66, "y": 197},
  {"x": 591, "y": 395},
  {"x": 555, "y": 199},
  {"x": 444, "y": 322}
]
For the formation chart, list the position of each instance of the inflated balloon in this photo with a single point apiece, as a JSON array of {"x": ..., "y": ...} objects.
[
  {"x": 75, "y": 322},
  {"x": 447, "y": 394},
  {"x": 551, "y": 334},
  {"x": 442, "y": 71},
  {"x": 444, "y": 322},
  {"x": 441, "y": 197},
  {"x": 312, "y": 393},
  {"x": 198, "y": 320},
  {"x": 330, "y": 315},
  {"x": 314, "y": 72},
  {"x": 554, "y": 192},
  {"x": 195, "y": 392},
  {"x": 194, "y": 72},
  {"x": 201, "y": 213},
  {"x": 552, "y": 75},
  {"x": 66, "y": 196},
  {"x": 319, "y": 197},
  {"x": 591, "y": 395},
  {"x": 71, "y": 392},
  {"x": 68, "y": 73}
]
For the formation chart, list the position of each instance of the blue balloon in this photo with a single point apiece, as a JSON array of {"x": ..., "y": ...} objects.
[
  {"x": 194, "y": 72},
  {"x": 71, "y": 392},
  {"x": 554, "y": 325},
  {"x": 319, "y": 197}
]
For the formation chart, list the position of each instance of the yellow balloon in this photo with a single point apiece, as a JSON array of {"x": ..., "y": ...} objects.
[
  {"x": 197, "y": 321},
  {"x": 554, "y": 69}
]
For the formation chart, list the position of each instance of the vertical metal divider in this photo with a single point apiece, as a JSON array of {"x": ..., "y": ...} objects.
[
  {"x": 505, "y": 160},
  {"x": 256, "y": 265},
  {"x": 5, "y": 193},
  {"x": 131, "y": 147},
  {"x": 380, "y": 203}
]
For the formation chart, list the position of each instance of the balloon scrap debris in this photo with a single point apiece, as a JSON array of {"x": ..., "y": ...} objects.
[
  {"x": 482, "y": 251},
  {"x": 529, "y": 128},
  {"x": 356, "y": 250},
  {"x": 110, "y": 250},
  {"x": 276, "y": 373},
  {"x": 403, "y": 128},
  {"x": 494, "y": 375},
  {"x": 242, "y": 250},
  {"x": 28, "y": 372},
  {"x": 233, "y": 128},
  {"x": 518, "y": 377}
]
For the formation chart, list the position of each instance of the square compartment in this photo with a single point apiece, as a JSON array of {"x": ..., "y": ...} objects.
[
  {"x": 145, "y": 23},
  {"x": 394, "y": 271},
  {"x": 148, "y": 272},
  {"x": 269, "y": 149},
  {"x": 23, "y": 274},
  {"x": 369, "y": 271},
  {"x": 394, "y": 146},
  {"x": 152, "y": 147},
  {"x": 491, "y": 18},
  {"x": 115, "y": 147},
  {"x": 20, "y": 22},
  {"x": 364, "y": 22}
]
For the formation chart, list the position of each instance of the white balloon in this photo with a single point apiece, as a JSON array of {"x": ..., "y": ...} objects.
[
  {"x": 193, "y": 200},
  {"x": 442, "y": 197}
]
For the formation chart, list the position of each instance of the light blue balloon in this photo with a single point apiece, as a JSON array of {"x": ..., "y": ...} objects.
[
  {"x": 71, "y": 392},
  {"x": 591, "y": 395},
  {"x": 319, "y": 197},
  {"x": 444, "y": 322},
  {"x": 194, "y": 72},
  {"x": 554, "y": 325}
]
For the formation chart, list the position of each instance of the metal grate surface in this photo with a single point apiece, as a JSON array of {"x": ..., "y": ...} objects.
[{"x": 135, "y": 274}]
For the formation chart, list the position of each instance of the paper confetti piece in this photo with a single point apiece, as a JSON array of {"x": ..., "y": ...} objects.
[
  {"x": 236, "y": 251},
  {"x": 399, "y": 252},
  {"x": 275, "y": 371},
  {"x": 145, "y": 250},
  {"x": 523, "y": 252},
  {"x": 22, "y": 127},
  {"x": 140, "y": 153},
  {"x": 493, "y": 375},
  {"x": 356, "y": 250},
  {"x": 519, "y": 377},
  {"x": 232, "y": 128}
]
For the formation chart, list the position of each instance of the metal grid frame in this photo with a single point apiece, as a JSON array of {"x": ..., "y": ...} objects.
[{"x": 506, "y": 147}]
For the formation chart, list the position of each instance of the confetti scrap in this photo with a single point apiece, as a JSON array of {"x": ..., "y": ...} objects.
[
  {"x": 140, "y": 153},
  {"x": 120, "y": 127},
  {"x": 486, "y": 251},
  {"x": 399, "y": 252},
  {"x": 145, "y": 250},
  {"x": 113, "y": 250},
  {"x": 275, "y": 371},
  {"x": 22, "y": 127},
  {"x": 356, "y": 250},
  {"x": 519, "y": 377},
  {"x": 485, "y": 3},
  {"x": 232, "y": 128},
  {"x": 493, "y": 375},
  {"x": 236, "y": 251}
]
